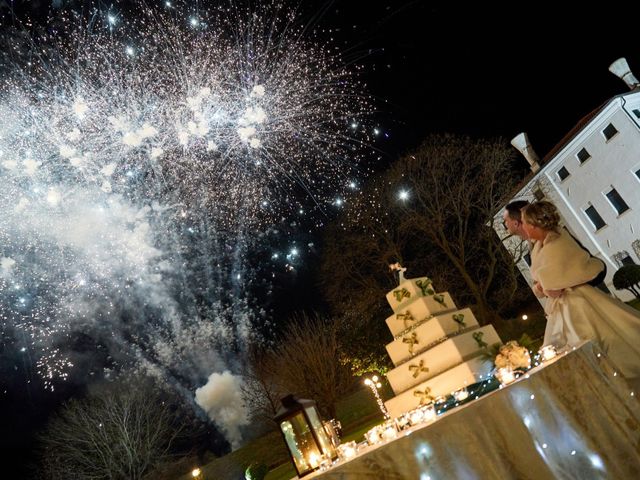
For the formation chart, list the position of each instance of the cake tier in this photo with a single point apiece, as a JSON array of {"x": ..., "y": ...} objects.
[
  {"x": 408, "y": 291},
  {"x": 418, "y": 309},
  {"x": 440, "y": 358},
  {"x": 460, "y": 376},
  {"x": 429, "y": 331}
]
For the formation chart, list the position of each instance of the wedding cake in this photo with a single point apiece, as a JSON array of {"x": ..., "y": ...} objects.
[{"x": 437, "y": 348}]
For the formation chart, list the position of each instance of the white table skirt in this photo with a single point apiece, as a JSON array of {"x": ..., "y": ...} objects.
[{"x": 573, "y": 418}]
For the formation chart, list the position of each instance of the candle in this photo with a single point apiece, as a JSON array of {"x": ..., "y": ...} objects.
[
  {"x": 548, "y": 352},
  {"x": 389, "y": 431},
  {"x": 402, "y": 421},
  {"x": 460, "y": 395},
  {"x": 325, "y": 464},
  {"x": 373, "y": 436},
  {"x": 428, "y": 412},
  {"x": 314, "y": 460},
  {"x": 347, "y": 450},
  {"x": 416, "y": 416}
]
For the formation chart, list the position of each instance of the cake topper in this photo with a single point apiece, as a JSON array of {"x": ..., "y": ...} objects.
[{"x": 396, "y": 267}]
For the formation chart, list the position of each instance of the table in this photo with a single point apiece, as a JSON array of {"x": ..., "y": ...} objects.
[{"x": 571, "y": 418}]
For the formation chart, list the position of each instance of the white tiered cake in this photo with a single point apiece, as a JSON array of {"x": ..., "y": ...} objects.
[{"x": 437, "y": 349}]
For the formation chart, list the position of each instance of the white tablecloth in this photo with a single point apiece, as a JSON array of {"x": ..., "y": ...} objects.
[{"x": 573, "y": 418}]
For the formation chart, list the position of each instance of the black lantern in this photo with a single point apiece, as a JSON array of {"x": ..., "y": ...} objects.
[{"x": 307, "y": 441}]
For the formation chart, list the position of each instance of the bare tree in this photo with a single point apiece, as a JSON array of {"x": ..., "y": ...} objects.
[
  {"x": 457, "y": 185},
  {"x": 355, "y": 276},
  {"x": 262, "y": 388},
  {"x": 358, "y": 248},
  {"x": 443, "y": 228},
  {"x": 121, "y": 433},
  {"x": 309, "y": 362}
]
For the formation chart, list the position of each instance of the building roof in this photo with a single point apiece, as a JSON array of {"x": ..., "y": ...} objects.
[
  {"x": 566, "y": 140},
  {"x": 572, "y": 133}
]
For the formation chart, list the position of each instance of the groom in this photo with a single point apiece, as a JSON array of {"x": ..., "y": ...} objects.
[
  {"x": 512, "y": 218},
  {"x": 512, "y": 222}
]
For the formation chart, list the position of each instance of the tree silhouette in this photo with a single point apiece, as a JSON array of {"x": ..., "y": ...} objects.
[
  {"x": 628, "y": 277},
  {"x": 310, "y": 363},
  {"x": 123, "y": 431},
  {"x": 442, "y": 227}
]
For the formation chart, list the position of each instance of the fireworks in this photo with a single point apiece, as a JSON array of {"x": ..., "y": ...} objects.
[{"x": 141, "y": 160}]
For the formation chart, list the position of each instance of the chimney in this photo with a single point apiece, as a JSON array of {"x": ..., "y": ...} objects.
[
  {"x": 620, "y": 68},
  {"x": 521, "y": 142}
]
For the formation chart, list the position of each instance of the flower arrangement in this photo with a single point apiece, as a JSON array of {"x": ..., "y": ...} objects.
[{"x": 513, "y": 355}]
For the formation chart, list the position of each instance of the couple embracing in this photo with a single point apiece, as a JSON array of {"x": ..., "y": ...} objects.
[{"x": 565, "y": 272}]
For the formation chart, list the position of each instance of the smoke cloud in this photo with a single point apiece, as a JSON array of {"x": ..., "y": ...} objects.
[{"x": 221, "y": 398}]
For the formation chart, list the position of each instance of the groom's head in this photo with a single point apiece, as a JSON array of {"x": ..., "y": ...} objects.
[{"x": 512, "y": 218}]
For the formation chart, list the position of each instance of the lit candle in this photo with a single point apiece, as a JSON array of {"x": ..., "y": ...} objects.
[
  {"x": 548, "y": 352},
  {"x": 373, "y": 436},
  {"x": 460, "y": 395},
  {"x": 325, "y": 464},
  {"x": 390, "y": 431},
  {"x": 402, "y": 421},
  {"x": 347, "y": 450},
  {"x": 314, "y": 460},
  {"x": 428, "y": 412},
  {"x": 416, "y": 416}
]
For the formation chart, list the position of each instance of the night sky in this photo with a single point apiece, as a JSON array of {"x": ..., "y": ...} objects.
[
  {"x": 483, "y": 70},
  {"x": 431, "y": 68}
]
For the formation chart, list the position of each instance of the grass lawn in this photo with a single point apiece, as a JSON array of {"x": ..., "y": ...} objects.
[
  {"x": 357, "y": 413},
  {"x": 268, "y": 449},
  {"x": 283, "y": 472}
]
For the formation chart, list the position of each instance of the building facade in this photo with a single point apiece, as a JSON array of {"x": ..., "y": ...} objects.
[{"x": 593, "y": 177}]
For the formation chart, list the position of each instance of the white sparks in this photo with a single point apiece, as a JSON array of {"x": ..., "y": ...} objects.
[
  {"x": 53, "y": 196},
  {"x": 130, "y": 162},
  {"x": 80, "y": 107}
]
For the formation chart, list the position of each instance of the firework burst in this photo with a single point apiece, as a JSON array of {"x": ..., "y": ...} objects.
[{"x": 141, "y": 161}]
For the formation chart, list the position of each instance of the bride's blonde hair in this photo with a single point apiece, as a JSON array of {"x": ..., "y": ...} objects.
[{"x": 542, "y": 214}]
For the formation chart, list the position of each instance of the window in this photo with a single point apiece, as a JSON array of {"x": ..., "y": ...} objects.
[
  {"x": 583, "y": 155},
  {"x": 527, "y": 258},
  {"x": 609, "y": 131},
  {"x": 627, "y": 260},
  {"x": 638, "y": 173},
  {"x": 617, "y": 201},
  {"x": 623, "y": 258},
  {"x": 636, "y": 112},
  {"x": 595, "y": 217},
  {"x": 563, "y": 173}
]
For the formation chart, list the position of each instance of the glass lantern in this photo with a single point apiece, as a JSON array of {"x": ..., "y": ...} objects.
[{"x": 308, "y": 442}]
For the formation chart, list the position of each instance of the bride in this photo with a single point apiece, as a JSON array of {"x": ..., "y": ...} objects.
[{"x": 576, "y": 311}]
